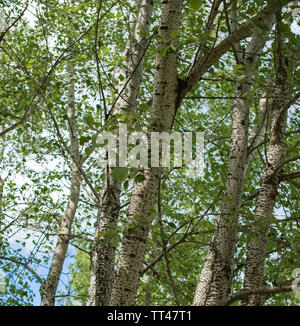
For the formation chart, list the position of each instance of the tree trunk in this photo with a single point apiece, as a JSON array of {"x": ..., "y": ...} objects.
[
  {"x": 144, "y": 193},
  {"x": 1, "y": 184},
  {"x": 1, "y": 201},
  {"x": 254, "y": 265},
  {"x": 215, "y": 279},
  {"x": 103, "y": 253},
  {"x": 51, "y": 283},
  {"x": 1, "y": 198}
]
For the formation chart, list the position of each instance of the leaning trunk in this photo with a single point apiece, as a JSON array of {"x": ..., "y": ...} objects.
[
  {"x": 103, "y": 252},
  {"x": 1, "y": 200},
  {"x": 144, "y": 193},
  {"x": 254, "y": 265},
  {"x": 51, "y": 283},
  {"x": 215, "y": 279}
]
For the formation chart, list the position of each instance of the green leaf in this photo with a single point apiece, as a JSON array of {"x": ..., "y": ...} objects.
[
  {"x": 139, "y": 178},
  {"x": 263, "y": 27},
  {"x": 89, "y": 119},
  {"x": 175, "y": 32},
  {"x": 163, "y": 51},
  {"x": 120, "y": 174},
  {"x": 223, "y": 29},
  {"x": 121, "y": 116},
  {"x": 195, "y": 4},
  {"x": 29, "y": 64},
  {"x": 88, "y": 151},
  {"x": 126, "y": 184}
]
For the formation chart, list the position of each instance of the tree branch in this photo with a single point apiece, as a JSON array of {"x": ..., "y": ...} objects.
[
  {"x": 33, "y": 272},
  {"x": 14, "y": 23},
  {"x": 245, "y": 30},
  {"x": 289, "y": 176},
  {"x": 265, "y": 291}
]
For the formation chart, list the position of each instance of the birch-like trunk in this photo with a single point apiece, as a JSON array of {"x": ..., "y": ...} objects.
[
  {"x": 103, "y": 253},
  {"x": 257, "y": 133},
  {"x": 1, "y": 200},
  {"x": 1, "y": 185},
  {"x": 254, "y": 265},
  {"x": 51, "y": 283},
  {"x": 144, "y": 193},
  {"x": 215, "y": 279}
]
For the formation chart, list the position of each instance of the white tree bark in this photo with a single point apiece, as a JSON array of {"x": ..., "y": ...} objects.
[
  {"x": 51, "y": 283},
  {"x": 254, "y": 265},
  {"x": 1, "y": 184},
  {"x": 144, "y": 193},
  {"x": 130, "y": 262},
  {"x": 103, "y": 254},
  {"x": 215, "y": 279},
  {"x": 1, "y": 200}
]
